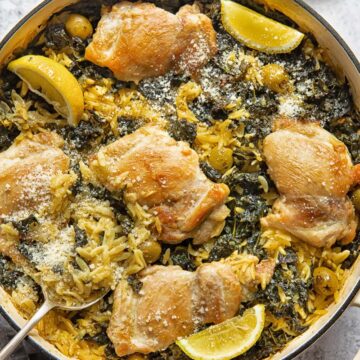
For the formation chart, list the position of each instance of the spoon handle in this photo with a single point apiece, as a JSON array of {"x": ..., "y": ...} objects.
[{"x": 16, "y": 340}]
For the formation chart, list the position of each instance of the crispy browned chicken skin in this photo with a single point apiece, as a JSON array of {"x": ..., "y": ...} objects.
[
  {"x": 163, "y": 175},
  {"x": 173, "y": 303},
  {"x": 313, "y": 172},
  {"x": 140, "y": 40}
]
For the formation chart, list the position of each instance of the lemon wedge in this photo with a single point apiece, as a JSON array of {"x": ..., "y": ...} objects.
[
  {"x": 53, "y": 82},
  {"x": 257, "y": 31},
  {"x": 227, "y": 340}
]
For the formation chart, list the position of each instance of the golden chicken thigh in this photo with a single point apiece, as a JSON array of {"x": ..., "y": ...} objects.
[
  {"x": 164, "y": 176},
  {"x": 140, "y": 40},
  {"x": 313, "y": 172},
  {"x": 26, "y": 169},
  {"x": 173, "y": 303}
]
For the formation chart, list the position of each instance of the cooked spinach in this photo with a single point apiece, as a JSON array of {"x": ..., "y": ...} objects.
[
  {"x": 117, "y": 203},
  {"x": 202, "y": 109},
  {"x": 249, "y": 182},
  {"x": 23, "y": 226},
  {"x": 354, "y": 248},
  {"x": 100, "y": 338},
  {"x": 7, "y": 136},
  {"x": 259, "y": 128},
  {"x": 9, "y": 274},
  {"x": 296, "y": 290},
  {"x": 8, "y": 83},
  {"x": 126, "y": 223},
  {"x": 269, "y": 342},
  {"x": 171, "y": 353},
  {"x": 247, "y": 207},
  {"x": 81, "y": 238},
  {"x": 108, "y": 2},
  {"x": 116, "y": 200},
  {"x": 160, "y": 88},
  {"x": 254, "y": 208},
  {"x": 347, "y": 129},
  {"x": 56, "y": 37},
  {"x": 83, "y": 134},
  {"x": 59, "y": 268},
  {"x": 135, "y": 283},
  {"x": 224, "y": 246},
  {"x": 128, "y": 126},
  {"x": 210, "y": 172},
  {"x": 182, "y": 130},
  {"x": 289, "y": 258},
  {"x": 110, "y": 353},
  {"x": 86, "y": 68},
  {"x": 28, "y": 249},
  {"x": 181, "y": 257},
  {"x": 261, "y": 102}
]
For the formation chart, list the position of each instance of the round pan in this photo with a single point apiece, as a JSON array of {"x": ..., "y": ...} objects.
[{"x": 343, "y": 61}]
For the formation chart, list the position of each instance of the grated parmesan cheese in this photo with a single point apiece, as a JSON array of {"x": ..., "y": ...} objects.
[
  {"x": 56, "y": 252},
  {"x": 290, "y": 106}
]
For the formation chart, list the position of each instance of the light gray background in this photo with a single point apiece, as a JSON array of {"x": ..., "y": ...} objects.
[{"x": 342, "y": 341}]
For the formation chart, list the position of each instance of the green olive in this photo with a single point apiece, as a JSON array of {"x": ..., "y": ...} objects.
[
  {"x": 221, "y": 159},
  {"x": 355, "y": 198},
  {"x": 325, "y": 281},
  {"x": 275, "y": 77},
  {"x": 151, "y": 251},
  {"x": 79, "y": 26}
]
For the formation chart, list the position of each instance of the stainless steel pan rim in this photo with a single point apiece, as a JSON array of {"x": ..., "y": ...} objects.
[
  {"x": 329, "y": 324},
  {"x": 12, "y": 323},
  {"x": 339, "y": 39},
  {"x": 349, "y": 297}
]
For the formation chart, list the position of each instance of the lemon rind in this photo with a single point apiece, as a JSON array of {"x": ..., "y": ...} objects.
[
  {"x": 260, "y": 316},
  {"x": 286, "y": 48},
  {"x": 75, "y": 110}
]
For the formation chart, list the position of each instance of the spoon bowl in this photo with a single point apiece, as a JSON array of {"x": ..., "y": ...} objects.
[{"x": 47, "y": 305}]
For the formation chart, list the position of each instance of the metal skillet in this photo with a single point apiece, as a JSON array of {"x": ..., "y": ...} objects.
[
  {"x": 48, "y": 304},
  {"x": 343, "y": 61}
]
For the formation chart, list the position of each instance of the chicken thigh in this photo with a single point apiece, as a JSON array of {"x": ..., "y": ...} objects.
[
  {"x": 172, "y": 303},
  {"x": 164, "y": 176},
  {"x": 313, "y": 172},
  {"x": 26, "y": 169},
  {"x": 140, "y": 40}
]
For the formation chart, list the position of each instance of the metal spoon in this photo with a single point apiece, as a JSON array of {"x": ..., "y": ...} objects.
[{"x": 40, "y": 313}]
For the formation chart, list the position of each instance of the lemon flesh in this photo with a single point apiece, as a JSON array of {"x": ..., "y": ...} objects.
[
  {"x": 227, "y": 340},
  {"x": 53, "y": 82},
  {"x": 257, "y": 31}
]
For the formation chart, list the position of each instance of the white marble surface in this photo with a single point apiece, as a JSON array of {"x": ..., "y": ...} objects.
[{"x": 342, "y": 341}]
